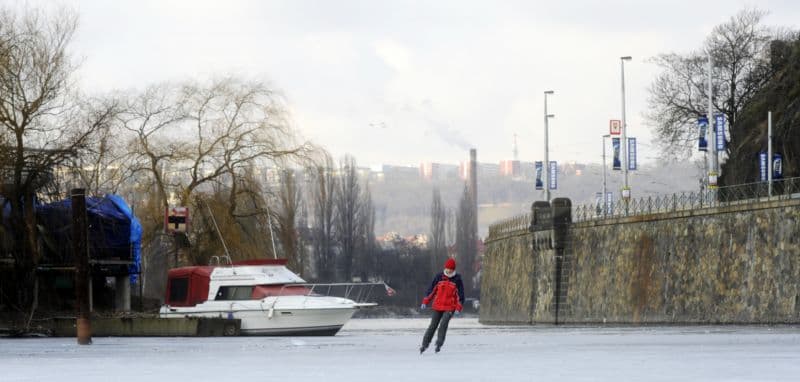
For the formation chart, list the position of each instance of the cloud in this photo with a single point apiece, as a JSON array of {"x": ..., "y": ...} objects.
[
  {"x": 331, "y": 48},
  {"x": 393, "y": 54}
]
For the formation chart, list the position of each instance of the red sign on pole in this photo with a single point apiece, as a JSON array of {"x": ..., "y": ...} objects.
[
  {"x": 176, "y": 219},
  {"x": 615, "y": 127}
]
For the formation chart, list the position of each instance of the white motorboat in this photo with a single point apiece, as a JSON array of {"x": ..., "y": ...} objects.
[{"x": 267, "y": 297}]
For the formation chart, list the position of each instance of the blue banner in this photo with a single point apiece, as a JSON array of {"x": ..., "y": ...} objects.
[
  {"x": 553, "y": 175},
  {"x": 777, "y": 166},
  {"x": 702, "y": 125},
  {"x": 719, "y": 129},
  {"x": 762, "y": 166},
  {"x": 538, "y": 166},
  {"x": 631, "y": 153},
  {"x": 616, "y": 162}
]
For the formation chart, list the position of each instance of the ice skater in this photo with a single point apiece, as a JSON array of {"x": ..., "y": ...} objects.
[{"x": 447, "y": 292}]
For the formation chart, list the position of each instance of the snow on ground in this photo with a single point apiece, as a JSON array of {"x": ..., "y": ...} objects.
[{"x": 386, "y": 350}]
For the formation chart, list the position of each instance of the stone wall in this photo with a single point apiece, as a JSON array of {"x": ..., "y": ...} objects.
[
  {"x": 733, "y": 264},
  {"x": 517, "y": 285}
]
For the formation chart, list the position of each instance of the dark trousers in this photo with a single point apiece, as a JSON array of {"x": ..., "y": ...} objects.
[{"x": 441, "y": 320}]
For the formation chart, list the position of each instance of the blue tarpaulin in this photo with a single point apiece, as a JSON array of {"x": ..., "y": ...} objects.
[
  {"x": 135, "y": 236},
  {"x": 115, "y": 234}
]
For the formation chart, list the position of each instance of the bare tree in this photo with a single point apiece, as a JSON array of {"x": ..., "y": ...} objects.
[
  {"x": 150, "y": 116},
  {"x": 450, "y": 233},
  {"x": 438, "y": 246},
  {"x": 348, "y": 210},
  {"x": 286, "y": 218},
  {"x": 325, "y": 186},
  {"x": 106, "y": 165},
  {"x": 466, "y": 241},
  {"x": 43, "y": 121},
  {"x": 366, "y": 250},
  {"x": 739, "y": 49},
  {"x": 232, "y": 123}
]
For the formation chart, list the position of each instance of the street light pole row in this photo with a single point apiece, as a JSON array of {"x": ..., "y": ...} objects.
[
  {"x": 546, "y": 164},
  {"x": 624, "y": 144},
  {"x": 626, "y": 190},
  {"x": 603, "y": 196}
]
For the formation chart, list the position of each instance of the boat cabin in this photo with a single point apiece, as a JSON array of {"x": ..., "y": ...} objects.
[{"x": 246, "y": 280}]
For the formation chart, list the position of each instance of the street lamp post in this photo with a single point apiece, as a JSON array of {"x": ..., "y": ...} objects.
[
  {"x": 626, "y": 190},
  {"x": 712, "y": 129},
  {"x": 603, "y": 197},
  {"x": 546, "y": 164}
]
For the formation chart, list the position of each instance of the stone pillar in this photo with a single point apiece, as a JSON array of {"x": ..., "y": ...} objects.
[
  {"x": 541, "y": 216},
  {"x": 562, "y": 217}
]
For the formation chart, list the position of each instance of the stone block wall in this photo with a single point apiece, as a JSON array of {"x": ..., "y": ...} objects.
[
  {"x": 518, "y": 282},
  {"x": 736, "y": 264}
]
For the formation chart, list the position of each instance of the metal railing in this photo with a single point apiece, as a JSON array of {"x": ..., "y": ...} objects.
[
  {"x": 363, "y": 294},
  {"x": 741, "y": 194},
  {"x": 510, "y": 225}
]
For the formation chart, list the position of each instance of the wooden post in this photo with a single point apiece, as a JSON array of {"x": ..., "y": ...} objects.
[{"x": 80, "y": 251}]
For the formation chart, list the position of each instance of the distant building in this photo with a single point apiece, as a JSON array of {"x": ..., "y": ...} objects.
[
  {"x": 393, "y": 241},
  {"x": 427, "y": 170},
  {"x": 419, "y": 240},
  {"x": 437, "y": 171},
  {"x": 485, "y": 170},
  {"x": 510, "y": 168},
  {"x": 400, "y": 173},
  {"x": 488, "y": 170},
  {"x": 572, "y": 168},
  {"x": 527, "y": 170}
]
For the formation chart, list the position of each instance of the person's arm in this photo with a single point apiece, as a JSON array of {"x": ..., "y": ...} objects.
[
  {"x": 460, "y": 286},
  {"x": 435, "y": 281},
  {"x": 431, "y": 290}
]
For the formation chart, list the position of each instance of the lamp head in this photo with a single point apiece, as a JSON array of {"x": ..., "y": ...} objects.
[{"x": 625, "y": 58}]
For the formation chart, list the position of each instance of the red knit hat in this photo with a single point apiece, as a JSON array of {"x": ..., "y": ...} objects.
[{"x": 450, "y": 263}]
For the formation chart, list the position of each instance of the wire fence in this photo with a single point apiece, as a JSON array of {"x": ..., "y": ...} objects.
[{"x": 741, "y": 194}]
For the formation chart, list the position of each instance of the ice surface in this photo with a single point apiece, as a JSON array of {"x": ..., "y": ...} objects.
[{"x": 386, "y": 350}]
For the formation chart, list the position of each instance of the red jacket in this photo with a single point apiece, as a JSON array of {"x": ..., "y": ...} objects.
[{"x": 444, "y": 295}]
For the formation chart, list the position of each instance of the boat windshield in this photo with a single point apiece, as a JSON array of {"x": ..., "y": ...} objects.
[{"x": 237, "y": 292}]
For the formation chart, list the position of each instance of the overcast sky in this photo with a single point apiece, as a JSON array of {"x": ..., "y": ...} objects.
[{"x": 401, "y": 82}]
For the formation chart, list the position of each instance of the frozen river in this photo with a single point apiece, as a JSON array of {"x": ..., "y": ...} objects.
[{"x": 386, "y": 350}]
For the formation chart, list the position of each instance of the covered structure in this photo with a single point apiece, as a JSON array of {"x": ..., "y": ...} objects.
[{"x": 114, "y": 243}]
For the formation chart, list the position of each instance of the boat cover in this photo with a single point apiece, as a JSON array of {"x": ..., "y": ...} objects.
[{"x": 114, "y": 232}]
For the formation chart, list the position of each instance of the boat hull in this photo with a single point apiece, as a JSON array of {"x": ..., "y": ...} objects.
[{"x": 262, "y": 319}]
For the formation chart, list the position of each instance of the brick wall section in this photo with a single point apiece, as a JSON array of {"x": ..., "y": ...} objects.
[{"x": 734, "y": 264}]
